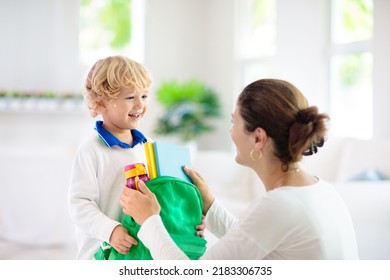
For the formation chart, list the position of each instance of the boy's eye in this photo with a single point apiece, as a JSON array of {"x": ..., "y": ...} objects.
[
  {"x": 130, "y": 97},
  {"x": 144, "y": 96}
]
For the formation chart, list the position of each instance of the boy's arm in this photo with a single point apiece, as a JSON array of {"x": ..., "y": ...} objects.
[{"x": 83, "y": 197}]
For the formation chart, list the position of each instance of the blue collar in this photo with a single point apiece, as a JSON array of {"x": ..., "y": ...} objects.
[{"x": 110, "y": 140}]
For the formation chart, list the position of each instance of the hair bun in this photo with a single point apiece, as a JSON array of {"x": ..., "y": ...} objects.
[{"x": 307, "y": 115}]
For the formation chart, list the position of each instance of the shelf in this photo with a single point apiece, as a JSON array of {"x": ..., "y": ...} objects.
[{"x": 17, "y": 105}]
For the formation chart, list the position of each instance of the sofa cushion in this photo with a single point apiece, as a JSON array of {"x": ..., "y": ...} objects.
[
  {"x": 326, "y": 162},
  {"x": 359, "y": 156},
  {"x": 369, "y": 175},
  {"x": 368, "y": 203}
]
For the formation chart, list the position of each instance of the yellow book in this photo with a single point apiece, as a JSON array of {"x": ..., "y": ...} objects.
[{"x": 150, "y": 160}]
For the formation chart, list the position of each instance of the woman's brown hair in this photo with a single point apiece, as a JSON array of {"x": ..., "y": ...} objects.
[{"x": 283, "y": 112}]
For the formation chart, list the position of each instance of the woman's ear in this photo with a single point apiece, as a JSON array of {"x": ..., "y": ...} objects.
[{"x": 260, "y": 137}]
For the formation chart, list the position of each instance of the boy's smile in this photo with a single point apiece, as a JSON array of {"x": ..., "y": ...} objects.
[
  {"x": 135, "y": 116},
  {"x": 124, "y": 113}
]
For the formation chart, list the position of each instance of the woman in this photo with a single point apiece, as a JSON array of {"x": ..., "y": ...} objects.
[{"x": 299, "y": 217}]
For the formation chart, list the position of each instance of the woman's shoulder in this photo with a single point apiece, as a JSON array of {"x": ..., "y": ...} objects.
[
  {"x": 299, "y": 199},
  {"x": 292, "y": 197}
]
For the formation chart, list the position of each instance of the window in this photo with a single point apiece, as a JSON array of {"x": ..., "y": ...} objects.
[
  {"x": 257, "y": 38},
  {"x": 107, "y": 27},
  {"x": 351, "y": 63},
  {"x": 347, "y": 90}
]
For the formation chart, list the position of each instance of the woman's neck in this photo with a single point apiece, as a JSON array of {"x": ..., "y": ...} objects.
[{"x": 284, "y": 178}]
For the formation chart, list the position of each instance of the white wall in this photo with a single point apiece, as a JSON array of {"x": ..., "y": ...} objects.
[
  {"x": 381, "y": 69},
  {"x": 302, "y": 41},
  {"x": 39, "y": 45},
  {"x": 195, "y": 39},
  {"x": 184, "y": 39}
]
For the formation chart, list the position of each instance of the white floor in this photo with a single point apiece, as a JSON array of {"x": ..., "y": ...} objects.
[{"x": 12, "y": 251}]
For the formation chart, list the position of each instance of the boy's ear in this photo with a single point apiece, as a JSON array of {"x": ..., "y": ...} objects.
[{"x": 101, "y": 107}]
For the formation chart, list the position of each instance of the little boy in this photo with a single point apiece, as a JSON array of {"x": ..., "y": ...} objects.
[{"x": 117, "y": 88}]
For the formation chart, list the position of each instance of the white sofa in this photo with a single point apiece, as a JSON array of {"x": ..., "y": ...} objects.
[
  {"x": 339, "y": 161},
  {"x": 34, "y": 221},
  {"x": 360, "y": 169}
]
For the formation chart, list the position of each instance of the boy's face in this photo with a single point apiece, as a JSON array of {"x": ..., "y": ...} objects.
[{"x": 126, "y": 111}]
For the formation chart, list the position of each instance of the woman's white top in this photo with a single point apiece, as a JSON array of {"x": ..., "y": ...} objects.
[{"x": 296, "y": 223}]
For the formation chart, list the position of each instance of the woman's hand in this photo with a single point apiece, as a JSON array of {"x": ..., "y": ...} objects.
[
  {"x": 199, "y": 182},
  {"x": 140, "y": 204}
]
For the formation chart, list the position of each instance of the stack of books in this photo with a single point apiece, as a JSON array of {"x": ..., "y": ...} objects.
[{"x": 167, "y": 159}]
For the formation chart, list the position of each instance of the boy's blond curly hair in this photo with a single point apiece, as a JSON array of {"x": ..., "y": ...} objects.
[{"x": 106, "y": 78}]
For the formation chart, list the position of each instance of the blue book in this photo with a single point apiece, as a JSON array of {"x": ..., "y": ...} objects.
[{"x": 170, "y": 159}]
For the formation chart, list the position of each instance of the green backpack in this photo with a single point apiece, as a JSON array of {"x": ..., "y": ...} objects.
[{"x": 181, "y": 211}]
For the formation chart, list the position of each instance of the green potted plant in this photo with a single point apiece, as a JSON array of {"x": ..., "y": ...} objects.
[{"x": 188, "y": 108}]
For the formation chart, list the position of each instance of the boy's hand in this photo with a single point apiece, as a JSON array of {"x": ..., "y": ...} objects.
[
  {"x": 121, "y": 240},
  {"x": 201, "y": 228}
]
